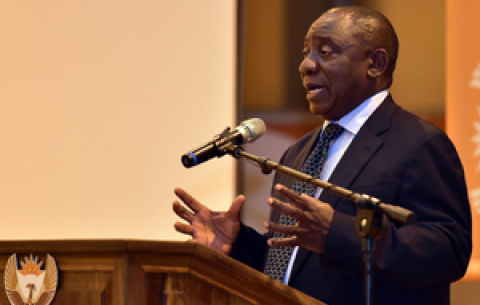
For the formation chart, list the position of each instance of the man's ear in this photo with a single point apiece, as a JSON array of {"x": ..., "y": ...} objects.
[{"x": 378, "y": 62}]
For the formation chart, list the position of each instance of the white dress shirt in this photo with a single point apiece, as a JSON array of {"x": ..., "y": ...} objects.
[{"x": 352, "y": 122}]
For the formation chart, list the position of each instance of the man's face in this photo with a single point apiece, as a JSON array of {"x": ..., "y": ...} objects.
[{"x": 334, "y": 68}]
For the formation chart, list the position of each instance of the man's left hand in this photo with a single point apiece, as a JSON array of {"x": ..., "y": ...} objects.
[{"x": 313, "y": 220}]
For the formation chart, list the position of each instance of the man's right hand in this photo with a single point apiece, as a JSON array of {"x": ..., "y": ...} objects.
[{"x": 216, "y": 230}]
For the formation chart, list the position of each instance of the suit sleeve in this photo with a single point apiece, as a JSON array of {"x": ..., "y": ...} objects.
[
  {"x": 249, "y": 248},
  {"x": 437, "y": 247}
]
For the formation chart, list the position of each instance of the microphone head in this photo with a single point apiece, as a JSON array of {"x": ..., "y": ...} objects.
[{"x": 251, "y": 129}]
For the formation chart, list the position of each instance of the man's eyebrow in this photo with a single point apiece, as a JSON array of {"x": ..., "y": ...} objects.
[
  {"x": 313, "y": 36},
  {"x": 317, "y": 37}
]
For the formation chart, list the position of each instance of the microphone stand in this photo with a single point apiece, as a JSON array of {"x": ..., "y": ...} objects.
[{"x": 370, "y": 210}]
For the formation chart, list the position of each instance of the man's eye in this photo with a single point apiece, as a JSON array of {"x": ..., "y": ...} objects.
[{"x": 325, "y": 51}]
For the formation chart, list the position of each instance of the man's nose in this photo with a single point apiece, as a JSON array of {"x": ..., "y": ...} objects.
[{"x": 308, "y": 66}]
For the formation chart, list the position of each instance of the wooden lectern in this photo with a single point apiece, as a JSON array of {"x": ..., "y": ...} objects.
[{"x": 135, "y": 272}]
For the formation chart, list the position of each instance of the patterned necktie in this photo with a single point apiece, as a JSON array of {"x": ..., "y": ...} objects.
[{"x": 278, "y": 257}]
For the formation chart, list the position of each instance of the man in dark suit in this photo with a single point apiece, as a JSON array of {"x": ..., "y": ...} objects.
[{"x": 383, "y": 151}]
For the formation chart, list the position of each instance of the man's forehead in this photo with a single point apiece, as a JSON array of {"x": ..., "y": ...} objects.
[
  {"x": 323, "y": 22},
  {"x": 325, "y": 25},
  {"x": 329, "y": 21}
]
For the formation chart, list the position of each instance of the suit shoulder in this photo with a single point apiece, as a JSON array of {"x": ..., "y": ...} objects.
[
  {"x": 413, "y": 125},
  {"x": 390, "y": 118}
]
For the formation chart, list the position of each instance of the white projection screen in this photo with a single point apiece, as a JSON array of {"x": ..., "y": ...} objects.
[{"x": 98, "y": 101}]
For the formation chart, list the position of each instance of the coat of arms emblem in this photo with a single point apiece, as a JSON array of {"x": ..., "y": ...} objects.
[{"x": 30, "y": 285}]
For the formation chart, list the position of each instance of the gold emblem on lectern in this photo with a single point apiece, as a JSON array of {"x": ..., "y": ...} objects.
[{"x": 30, "y": 285}]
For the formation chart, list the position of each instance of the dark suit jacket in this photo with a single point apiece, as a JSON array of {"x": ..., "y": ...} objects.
[{"x": 404, "y": 161}]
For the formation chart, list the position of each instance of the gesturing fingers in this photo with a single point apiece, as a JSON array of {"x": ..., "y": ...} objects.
[
  {"x": 191, "y": 202},
  {"x": 234, "y": 211},
  {"x": 283, "y": 242},
  {"x": 285, "y": 208},
  {"x": 184, "y": 228},
  {"x": 182, "y": 212},
  {"x": 293, "y": 230},
  {"x": 313, "y": 220},
  {"x": 293, "y": 197}
]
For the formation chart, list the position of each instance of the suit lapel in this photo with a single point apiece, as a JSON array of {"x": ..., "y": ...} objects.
[
  {"x": 364, "y": 146},
  {"x": 303, "y": 154},
  {"x": 353, "y": 161}
]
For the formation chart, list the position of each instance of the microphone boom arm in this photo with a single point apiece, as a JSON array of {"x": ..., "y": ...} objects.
[{"x": 363, "y": 201}]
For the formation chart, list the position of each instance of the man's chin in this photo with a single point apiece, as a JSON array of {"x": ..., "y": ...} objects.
[{"x": 321, "y": 111}]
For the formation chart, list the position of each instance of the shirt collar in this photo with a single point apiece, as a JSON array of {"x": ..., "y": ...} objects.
[{"x": 355, "y": 119}]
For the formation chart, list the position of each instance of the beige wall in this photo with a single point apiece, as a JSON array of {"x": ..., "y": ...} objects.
[{"x": 98, "y": 101}]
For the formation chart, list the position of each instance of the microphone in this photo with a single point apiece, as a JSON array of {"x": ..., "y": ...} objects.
[{"x": 247, "y": 132}]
